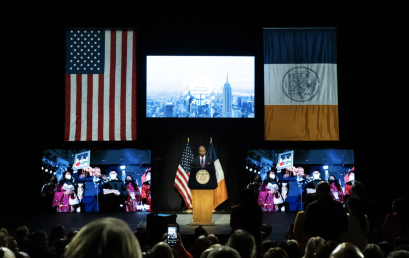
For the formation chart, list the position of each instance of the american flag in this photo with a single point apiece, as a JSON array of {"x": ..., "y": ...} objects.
[
  {"x": 182, "y": 175},
  {"x": 100, "y": 85}
]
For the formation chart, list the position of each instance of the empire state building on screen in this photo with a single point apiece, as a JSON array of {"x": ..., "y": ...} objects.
[{"x": 227, "y": 100}]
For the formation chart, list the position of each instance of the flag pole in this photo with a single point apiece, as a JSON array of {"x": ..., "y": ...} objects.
[
  {"x": 189, "y": 210},
  {"x": 211, "y": 140}
]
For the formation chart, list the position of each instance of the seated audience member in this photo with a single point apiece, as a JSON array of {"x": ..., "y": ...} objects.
[
  {"x": 12, "y": 245},
  {"x": 247, "y": 215},
  {"x": 59, "y": 246},
  {"x": 143, "y": 236},
  {"x": 201, "y": 244},
  {"x": 39, "y": 246},
  {"x": 398, "y": 254},
  {"x": 208, "y": 250},
  {"x": 346, "y": 250},
  {"x": 267, "y": 245},
  {"x": 372, "y": 251},
  {"x": 298, "y": 231},
  {"x": 396, "y": 223},
  {"x": 106, "y": 237},
  {"x": 223, "y": 252},
  {"x": 4, "y": 231},
  {"x": 6, "y": 253},
  {"x": 401, "y": 241},
  {"x": 57, "y": 232},
  {"x": 358, "y": 224},
  {"x": 292, "y": 248},
  {"x": 325, "y": 250},
  {"x": 3, "y": 241},
  {"x": 266, "y": 230},
  {"x": 22, "y": 234},
  {"x": 243, "y": 242},
  {"x": 213, "y": 239},
  {"x": 324, "y": 212},
  {"x": 386, "y": 247},
  {"x": 402, "y": 247},
  {"x": 314, "y": 243},
  {"x": 369, "y": 207},
  {"x": 199, "y": 231},
  {"x": 161, "y": 250},
  {"x": 276, "y": 252}
]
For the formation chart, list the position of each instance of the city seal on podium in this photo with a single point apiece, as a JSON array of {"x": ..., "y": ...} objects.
[{"x": 202, "y": 176}]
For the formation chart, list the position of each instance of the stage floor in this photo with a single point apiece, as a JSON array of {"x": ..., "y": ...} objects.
[{"x": 279, "y": 221}]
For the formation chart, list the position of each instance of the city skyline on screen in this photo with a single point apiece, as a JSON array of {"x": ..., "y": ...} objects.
[{"x": 200, "y": 86}]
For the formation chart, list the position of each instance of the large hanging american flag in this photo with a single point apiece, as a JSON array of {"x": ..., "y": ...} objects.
[
  {"x": 182, "y": 176},
  {"x": 100, "y": 85}
]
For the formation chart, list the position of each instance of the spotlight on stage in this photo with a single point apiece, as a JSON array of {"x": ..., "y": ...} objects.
[
  {"x": 122, "y": 167},
  {"x": 325, "y": 167}
]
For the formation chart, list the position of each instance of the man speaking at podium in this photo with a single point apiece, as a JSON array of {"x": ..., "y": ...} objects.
[{"x": 202, "y": 160}]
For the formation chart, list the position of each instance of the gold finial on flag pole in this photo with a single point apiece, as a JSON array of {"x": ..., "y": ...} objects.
[
  {"x": 210, "y": 140},
  {"x": 187, "y": 139}
]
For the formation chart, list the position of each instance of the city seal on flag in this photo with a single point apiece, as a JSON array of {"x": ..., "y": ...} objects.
[
  {"x": 300, "y": 84},
  {"x": 202, "y": 176}
]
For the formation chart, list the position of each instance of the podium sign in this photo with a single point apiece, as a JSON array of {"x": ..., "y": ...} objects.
[{"x": 202, "y": 182}]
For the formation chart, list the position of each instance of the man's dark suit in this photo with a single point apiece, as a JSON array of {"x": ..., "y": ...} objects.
[
  {"x": 92, "y": 193},
  {"x": 326, "y": 218},
  {"x": 196, "y": 162}
]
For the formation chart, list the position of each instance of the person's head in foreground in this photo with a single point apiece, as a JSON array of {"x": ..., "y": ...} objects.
[
  {"x": 312, "y": 246},
  {"x": 7, "y": 253},
  {"x": 292, "y": 248},
  {"x": 267, "y": 245},
  {"x": 398, "y": 254},
  {"x": 106, "y": 237},
  {"x": 223, "y": 252},
  {"x": 346, "y": 250},
  {"x": 161, "y": 250},
  {"x": 276, "y": 252},
  {"x": 373, "y": 251},
  {"x": 322, "y": 189},
  {"x": 243, "y": 242}
]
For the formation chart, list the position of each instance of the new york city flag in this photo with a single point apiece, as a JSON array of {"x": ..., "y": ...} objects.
[{"x": 300, "y": 85}]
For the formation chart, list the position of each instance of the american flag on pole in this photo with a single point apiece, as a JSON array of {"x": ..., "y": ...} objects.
[
  {"x": 182, "y": 176},
  {"x": 100, "y": 85}
]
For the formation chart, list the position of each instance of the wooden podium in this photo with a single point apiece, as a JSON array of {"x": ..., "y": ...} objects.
[
  {"x": 202, "y": 197},
  {"x": 202, "y": 207}
]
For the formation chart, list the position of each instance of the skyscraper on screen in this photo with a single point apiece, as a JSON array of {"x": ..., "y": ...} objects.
[{"x": 227, "y": 99}]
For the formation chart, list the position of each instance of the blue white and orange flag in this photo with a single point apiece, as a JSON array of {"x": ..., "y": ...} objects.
[
  {"x": 300, "y": 85},
  {"x": 220, "y": 193}
]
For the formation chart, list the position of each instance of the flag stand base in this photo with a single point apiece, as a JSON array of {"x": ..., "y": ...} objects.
[{"x": 188, "y": 211}]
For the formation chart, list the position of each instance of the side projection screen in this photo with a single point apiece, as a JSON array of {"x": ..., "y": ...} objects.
[{"x": 200, "y": 87}]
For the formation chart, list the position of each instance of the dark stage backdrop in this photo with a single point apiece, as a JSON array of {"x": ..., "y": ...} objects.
[{"x": 369, "y": 118}]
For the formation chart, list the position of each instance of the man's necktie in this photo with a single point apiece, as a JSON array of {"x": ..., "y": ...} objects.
[{"x": 202, "y": 163}]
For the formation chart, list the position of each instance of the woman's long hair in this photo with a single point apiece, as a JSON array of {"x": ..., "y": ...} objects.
[
  {"x": 135, "y": 186},
  {"x": 64, "y": 180},
  {"x": 339, "y": 188},
  {"x": 312, "y": 246},
  {"x": 105, "y": 237},
  {"x": 354, "y": 204}
]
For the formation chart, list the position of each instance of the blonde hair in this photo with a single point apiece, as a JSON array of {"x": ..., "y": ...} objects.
[
  {"x": 312, "y": 246},
  {"x": 105, "y": 237}
]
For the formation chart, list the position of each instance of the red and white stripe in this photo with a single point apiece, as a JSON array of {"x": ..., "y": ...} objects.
[
  {"x": 102, "y": 107},
  {"x": 181, "y": 181}
]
